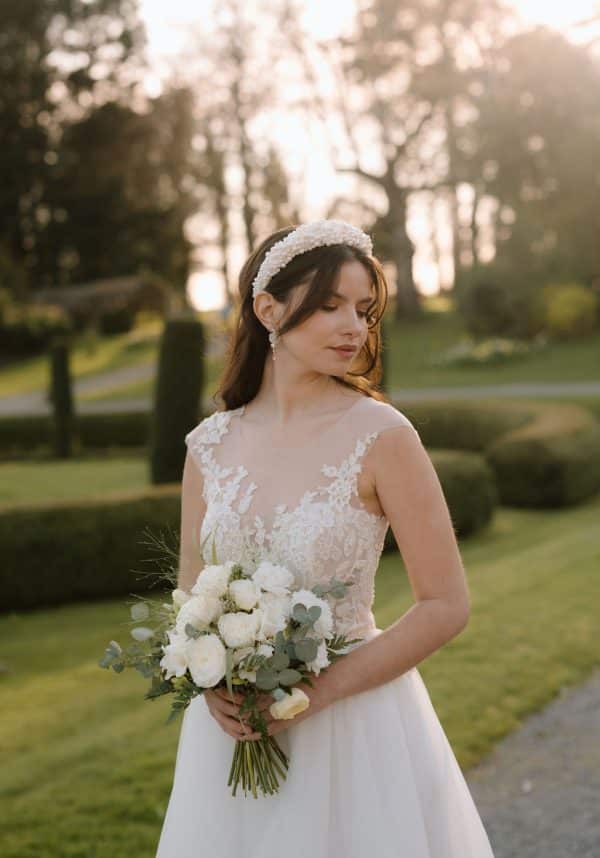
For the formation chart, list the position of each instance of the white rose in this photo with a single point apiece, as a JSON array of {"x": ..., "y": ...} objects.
[
  {"x": 321, "y": 659},
  {"x": 213, "y": 580},
  {"x": 290, "y": 705},
  {"x": 238, "y": 628},
  {"x": 174, "y": 660},
  {"x": 275, "y": 615},
  {"x": 200, "y": 611},
  {"x": 245, "y": 593},
  {"x": 180, "y": 597},
  {"x": 273, "y": 578},
  {"x": 324, "y": 625},
  {"x": 207, "y": 660}
]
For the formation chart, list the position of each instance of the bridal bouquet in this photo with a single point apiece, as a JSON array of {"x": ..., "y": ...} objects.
[{"x": 248, "y": 630}]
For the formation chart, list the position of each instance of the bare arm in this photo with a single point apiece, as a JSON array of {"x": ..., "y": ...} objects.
[
  {"x": 193, "y": 508},
  {"x": 411, "y": 496}
]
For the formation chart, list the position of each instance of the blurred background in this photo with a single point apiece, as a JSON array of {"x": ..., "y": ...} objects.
[{"x": 145, "y": 149}]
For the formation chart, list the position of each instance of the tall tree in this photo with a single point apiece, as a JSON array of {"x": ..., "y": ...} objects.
[{"x": 58, "y": 58}]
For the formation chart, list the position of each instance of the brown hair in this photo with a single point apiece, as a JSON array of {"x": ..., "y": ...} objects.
[{"x": 249, "y": 344}]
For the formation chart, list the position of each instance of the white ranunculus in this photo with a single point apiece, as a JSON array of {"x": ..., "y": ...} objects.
[
  {"x": 321, "y": 659},
  {"x": 207, "y": 660},
  {"x": 273, "y": 578},
  {"x": 238, "y": 628},
  {"x": 213, "y": 580},
  {"x": 324, "y": 625},
  {"x": 180, "y": 597},
  {"x": 290, "y": 705},
  {"x": 174, "y": 660},
  {"x": 275, "y": 615},
  {"x": 200, "y": 611},
  {"x": 245, "y": 593}
]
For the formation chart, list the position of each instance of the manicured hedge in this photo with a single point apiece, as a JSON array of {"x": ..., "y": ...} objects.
[
  {"x": 85, "y": 549},
  {"x": 20, "y": 435},
  {"x": 542, "y": 454}
]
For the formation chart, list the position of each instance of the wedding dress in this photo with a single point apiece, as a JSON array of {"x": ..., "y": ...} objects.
[{"x": 371, "y": 775}]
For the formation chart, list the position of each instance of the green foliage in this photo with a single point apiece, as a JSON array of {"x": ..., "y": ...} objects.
[
  {"x": 117, "y": 319},
  {"x": 29, "y": 329},
  {"x": 87, "y": 549},
  {"x": 179, "y": 386},
  {"x": 487, "y": 352},
  {"x": 571, "y": 310},
  {"x": 24, "y": 434}
]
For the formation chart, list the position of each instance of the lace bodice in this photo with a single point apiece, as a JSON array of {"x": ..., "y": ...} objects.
[{"x": 300, "y": 508}]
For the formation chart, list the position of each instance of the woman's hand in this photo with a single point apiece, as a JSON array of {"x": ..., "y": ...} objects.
[
  {"x": 319, "y": 696},
  {"x": 226, "y": 710}
]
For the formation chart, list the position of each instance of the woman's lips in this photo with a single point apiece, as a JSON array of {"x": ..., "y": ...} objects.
[{"x": 344, "y": 352}]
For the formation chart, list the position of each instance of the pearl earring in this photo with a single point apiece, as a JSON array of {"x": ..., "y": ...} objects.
[{"x": 273, "y": 337}]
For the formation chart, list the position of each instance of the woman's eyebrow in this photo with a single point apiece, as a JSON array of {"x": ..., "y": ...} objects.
[{"x": 361, "y": 301}]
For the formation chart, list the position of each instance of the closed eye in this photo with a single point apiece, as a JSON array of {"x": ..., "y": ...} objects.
[{"x": 362, "y": 313}]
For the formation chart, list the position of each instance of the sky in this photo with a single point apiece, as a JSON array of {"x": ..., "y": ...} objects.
[{"x": 168, "y": 28}]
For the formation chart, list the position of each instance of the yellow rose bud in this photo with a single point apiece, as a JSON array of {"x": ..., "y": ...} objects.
[{"x": 290, "y": 705}]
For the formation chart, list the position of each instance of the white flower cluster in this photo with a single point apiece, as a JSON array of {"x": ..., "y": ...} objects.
[
  {"x": 317, "y": 233},
  {"x": 265, "y": 604}
]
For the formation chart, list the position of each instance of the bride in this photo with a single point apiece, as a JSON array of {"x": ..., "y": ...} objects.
[{"x": 308, "y": 465}]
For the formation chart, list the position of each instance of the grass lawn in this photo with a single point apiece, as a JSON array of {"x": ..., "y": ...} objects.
[{"x": 88, "y": 762}]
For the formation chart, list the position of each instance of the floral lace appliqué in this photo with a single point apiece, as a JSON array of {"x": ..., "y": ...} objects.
[{"x": 325, "y": 534}]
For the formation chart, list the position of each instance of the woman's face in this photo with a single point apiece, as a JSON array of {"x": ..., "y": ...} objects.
[{"x": 340, "y": 321}]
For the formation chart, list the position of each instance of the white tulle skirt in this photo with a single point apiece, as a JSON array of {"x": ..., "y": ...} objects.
[{"x": 370, "y": 776}]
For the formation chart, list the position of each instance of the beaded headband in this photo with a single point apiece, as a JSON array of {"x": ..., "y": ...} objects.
[{"x": 306, "y": 237}]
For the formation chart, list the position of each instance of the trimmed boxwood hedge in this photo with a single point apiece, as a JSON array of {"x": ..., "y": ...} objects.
[
  {"x": 83, "y": 550},
  {"x": 21, "y": 435},
  {"x": 542, "y": 454}
]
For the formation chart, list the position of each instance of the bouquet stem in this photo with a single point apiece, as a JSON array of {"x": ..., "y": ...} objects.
[{"x": 256, "y": 764}]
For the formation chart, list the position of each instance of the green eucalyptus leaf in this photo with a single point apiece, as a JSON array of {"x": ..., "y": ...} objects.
[
  {"x": 314, "y": 612},
  {"x": 266, "y": 679},
  {"x": 289, "y": 676},
  {"x": 279, "y": 660},
  {"x": 142, "y": 633},
  {"x": 140, "y": 611},
  {"x": 306, "y": 649}
]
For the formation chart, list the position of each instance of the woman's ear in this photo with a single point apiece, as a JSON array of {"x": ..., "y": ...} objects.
[{"x": 267, "y": 310}]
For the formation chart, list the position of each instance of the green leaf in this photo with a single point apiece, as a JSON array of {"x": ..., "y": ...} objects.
[
  {"x": 289, "y": 676},
  {"x": 266, "y": 680},
  {"x": 140, "y": 611},
  {"x": 279, "y": 660},
  {"x": 142, "y": 633},
  {"x": 306, "y": 649},
  {"x": 314, "y": 612},
  {"x": 300, "y": 614}
]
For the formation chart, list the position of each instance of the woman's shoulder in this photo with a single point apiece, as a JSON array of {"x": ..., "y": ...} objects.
[
  {"x": 384, "y": 415},
  {"x": 210, "y": 430}
]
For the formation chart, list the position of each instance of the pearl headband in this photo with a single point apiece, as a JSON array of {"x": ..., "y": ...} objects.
[{"x": 306, "y": 237}]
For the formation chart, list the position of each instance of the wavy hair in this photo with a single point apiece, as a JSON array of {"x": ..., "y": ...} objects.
[{"x": 249, "y": 344}]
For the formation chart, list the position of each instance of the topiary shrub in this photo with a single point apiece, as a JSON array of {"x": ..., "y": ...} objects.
[{"x": 178, "y": 392}]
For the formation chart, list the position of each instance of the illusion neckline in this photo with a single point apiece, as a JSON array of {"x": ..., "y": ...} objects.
[{"x": 242, "y": 408}]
